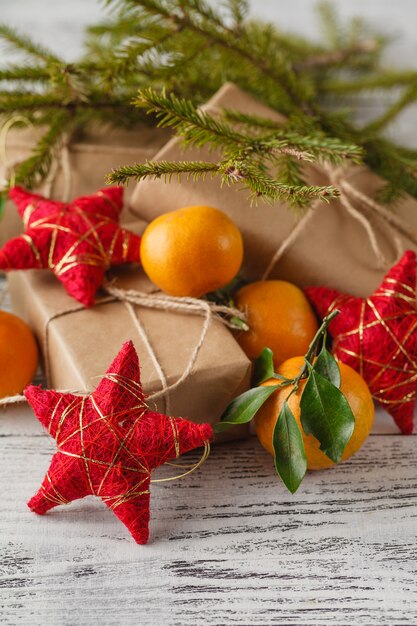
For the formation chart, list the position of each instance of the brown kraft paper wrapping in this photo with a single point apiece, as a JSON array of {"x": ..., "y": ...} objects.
[
  {"x": 346, "y": 245},
  {"x": 80, "y": 345},
  {"x": 88, "y": 160}
]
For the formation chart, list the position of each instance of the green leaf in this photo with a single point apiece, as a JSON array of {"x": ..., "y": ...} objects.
[
  {"x": 2, "y": 203},
  {"x": 263, "y": 367},
  {"x": 290, "y": 458},
  {"x": 326, "y": 414},
  {"x": 326, "y": 365},
  {"x": 243, "y": 408}
]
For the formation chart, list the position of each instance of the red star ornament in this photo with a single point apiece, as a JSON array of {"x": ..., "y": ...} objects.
[
  {"x": 108, "y": 443},
  {"x": 377, "y": 336},
  {"x": 78, "y": 241}
]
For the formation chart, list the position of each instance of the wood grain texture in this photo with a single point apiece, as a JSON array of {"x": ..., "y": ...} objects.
[{"x": 228, "y": 544}]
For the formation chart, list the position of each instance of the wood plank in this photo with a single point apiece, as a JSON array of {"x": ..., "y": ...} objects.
[{"x": 228, "y": 544}]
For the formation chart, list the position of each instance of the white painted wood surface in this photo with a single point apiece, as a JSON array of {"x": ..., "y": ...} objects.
[{"x": 228, "y": 544}]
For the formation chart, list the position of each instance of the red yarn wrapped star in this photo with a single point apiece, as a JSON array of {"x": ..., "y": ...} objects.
[
  {"x": 108, "y": 444},
  {"x": 78, "y": 241},
  {"x": 377, "y": 336}
]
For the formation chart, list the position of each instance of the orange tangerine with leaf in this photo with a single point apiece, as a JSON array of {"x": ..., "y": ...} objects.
[{"x": 353, "y": 387}]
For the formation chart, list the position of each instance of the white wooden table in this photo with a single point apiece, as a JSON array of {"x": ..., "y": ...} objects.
[{"x": 228, "y": 544}]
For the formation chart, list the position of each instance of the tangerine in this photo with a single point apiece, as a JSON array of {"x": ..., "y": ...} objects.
[
  {"x": 354, "y": 389},
  {"x": 279, "y": 317},
  {"x": 191, "y": 251},
  {"x": 18, "y": 354}
]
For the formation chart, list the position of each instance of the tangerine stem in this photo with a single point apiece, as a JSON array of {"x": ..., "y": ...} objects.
[
  {"x": 311, "y": 352},
  {"x": 321, "y": 331}
]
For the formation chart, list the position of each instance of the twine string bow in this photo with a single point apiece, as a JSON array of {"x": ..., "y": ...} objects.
[
  {"x": 131, "y": 299},
  {"x": 189, "y": 306}
]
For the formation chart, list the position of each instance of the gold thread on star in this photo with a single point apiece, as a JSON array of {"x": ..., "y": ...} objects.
[
  {"x": 384, "y": 322},
  {"x": 100, "y": 256},
  {"x": 132, "y": 387}
]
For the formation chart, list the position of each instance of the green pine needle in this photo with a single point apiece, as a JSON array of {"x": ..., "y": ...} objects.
[{"x": 177, "y": 53}]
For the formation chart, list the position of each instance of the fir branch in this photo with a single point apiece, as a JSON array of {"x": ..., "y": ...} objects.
[
  {"x": 263, "y": 186},
  {"x": 351, "y": 46},
  {"x": 288, "y": 171},
  {"x": 190, "y": 48},
  {"x": 383, "y": 79},
  {"x": 393, "y": 164},
  {"x": 246, "y": 157},
  {"x": 35, "y": 168},
  {"x": 24, "y": 73},
  {"x": 25, "y": 101},
  {"x": 24, "y": 44},
  {"x": 314, "y": 148},
  {"x": 28, "y": 101},
  {"x": 133, "y": 54},
  {"x": 231, "y": 172},
  {"x": 200, "y": 128},
  {"x": 253, "y": 121},
  {"x": 195, "y": 126},
  {"x": 199, "y": 18},
  {"x": 409, "y": 97},
  {"x": 115, "y": 29},
  {"x": 338, "y": 57},
  {"x": 162, "y": 169},
  {"x": 238, "y": 10},
  {"x": 330, "y": 25}
]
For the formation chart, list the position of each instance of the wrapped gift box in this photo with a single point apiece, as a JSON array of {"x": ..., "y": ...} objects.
[
  {"x": 328, "y": 244},
  {"x": 78, "y": 344}
]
